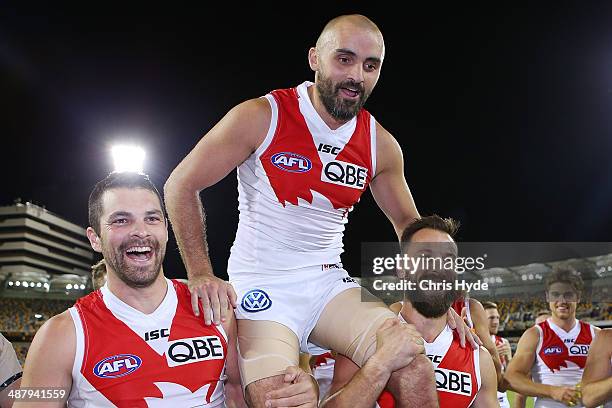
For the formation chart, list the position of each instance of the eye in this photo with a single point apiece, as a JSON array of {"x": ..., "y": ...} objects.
[
  {"x": 344, "y": 59},
  {"x": 153, "y": 219},
  {"x": 371, "y": 67},
  {"x": 120, "y": 221}
]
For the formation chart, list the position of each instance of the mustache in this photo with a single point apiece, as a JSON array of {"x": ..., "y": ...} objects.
[{"x": 351, "y": 84}]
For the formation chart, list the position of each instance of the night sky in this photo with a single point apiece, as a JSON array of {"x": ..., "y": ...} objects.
[{"x": 503, "y": 112}]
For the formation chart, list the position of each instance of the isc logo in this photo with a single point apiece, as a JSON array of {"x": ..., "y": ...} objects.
[
  {"x": 193, "y": 350},
  {"x": 117, "y": 366},
  {"x": 291, "y": 162},
  {"x": 453, "y": 381},
  {"x": 579, "y": 350},
  {"x": 552, "y": 350},
  {"x": 345, "y": 174}
]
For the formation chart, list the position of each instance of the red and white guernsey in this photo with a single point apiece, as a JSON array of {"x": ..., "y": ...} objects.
[
  {"x": 561, "y": 356},
  {"x": 457, "y": 371},
  {"x": 296, "y": 189},
  {"x": 126, "y": 358}
]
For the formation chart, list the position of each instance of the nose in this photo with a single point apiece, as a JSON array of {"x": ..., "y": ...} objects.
[
  {"x": 140, "y": 229},
  {"x": 356, "y": 74}
]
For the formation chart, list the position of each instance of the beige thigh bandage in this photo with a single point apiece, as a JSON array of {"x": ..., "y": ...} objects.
[
  {"x": 265, "y": 349},
  {"x": 348, "y": 325}
]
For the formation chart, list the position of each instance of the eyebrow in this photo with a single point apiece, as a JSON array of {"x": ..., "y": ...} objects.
[
  {"x": 119, "y": 214},
  {"x": 154, "y": 212},
  {"x": 129, "y": 214},
  {"x": 353, "y": 53}
]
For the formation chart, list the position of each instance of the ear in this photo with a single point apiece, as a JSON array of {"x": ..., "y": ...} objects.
[
  {"x": 313, "y": 59},
  {"x": 94, "y": 240}
]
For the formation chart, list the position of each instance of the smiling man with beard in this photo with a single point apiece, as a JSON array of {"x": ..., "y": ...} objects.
[
  {"x": 304, "y": 155},
  {"x": 135, "y": 342},
  {"x": 464, "y": 377}
]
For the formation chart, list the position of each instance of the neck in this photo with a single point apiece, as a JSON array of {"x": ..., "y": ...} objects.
[
  {"x": 145, "y": 300},
  {"x": 329, "y": 120},
  {"x": 565, "y": 324},
  {"x": 429, "y": 328}
]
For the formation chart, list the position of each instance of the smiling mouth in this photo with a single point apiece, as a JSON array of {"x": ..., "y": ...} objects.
[
  {"x": 139, "y": 253},
  {"x": 351, "y": 93}
]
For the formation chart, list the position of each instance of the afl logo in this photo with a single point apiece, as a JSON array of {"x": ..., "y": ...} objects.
[
  {"x": 117, "y": 366},
  {"x": 256, "y": 300},
  {"x": 552, "y": 350},
  {"x": 291, "y": 162}
]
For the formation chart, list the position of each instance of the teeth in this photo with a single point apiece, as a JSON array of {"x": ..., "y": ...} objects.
[{"x": 139, "y": 249}]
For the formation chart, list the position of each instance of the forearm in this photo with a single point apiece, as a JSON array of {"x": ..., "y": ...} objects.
[
  {"x": 519, "y": 400},
  {"x": 189, "y": 225},
  {"x": 597, "y": 393},
  {"x": 364, "y": 388},
  {"x": 523, "y": 384}
]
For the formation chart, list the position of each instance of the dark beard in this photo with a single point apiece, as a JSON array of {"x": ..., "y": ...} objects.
[
  {"x": 431, "y": 303},
  {"x": 335, "y": 105},
  {"x": 134, "y": 277}
]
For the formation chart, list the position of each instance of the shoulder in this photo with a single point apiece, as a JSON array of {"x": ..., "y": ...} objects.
[
  {"x": 530, "y": 338},
  {"x": 385, "y": 142},
  {"x": 57, "y": 329}
]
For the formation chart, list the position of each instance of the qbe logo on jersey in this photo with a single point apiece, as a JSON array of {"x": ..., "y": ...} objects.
[
  {"x": 344, "y": 174},
  {"x": 291, "y": 162},
  {"x": 256, "y": 300},
  {"x": 453, "y": 381},
  {"x": 194, "y": 350},
  {"x": 579, "y": 350},
  {"x": 117, "y": 366}
]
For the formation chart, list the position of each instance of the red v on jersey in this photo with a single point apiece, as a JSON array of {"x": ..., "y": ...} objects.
[{"x": 294, "y": 168}]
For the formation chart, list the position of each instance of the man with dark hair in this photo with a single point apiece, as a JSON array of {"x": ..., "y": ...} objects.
[
  {"x": 503, "y": 346},
  {"x": 464, "y": 376},
  {"x": 135, "y": 342},
  {"x": 304, "y": 155},
  {"x": 467, "y": 307},
  {"x": 550, "y": 356}
]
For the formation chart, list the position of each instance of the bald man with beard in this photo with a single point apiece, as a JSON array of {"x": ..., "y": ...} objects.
[{"x": 304, "y": 157}]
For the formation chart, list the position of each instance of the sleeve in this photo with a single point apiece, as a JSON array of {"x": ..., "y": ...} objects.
[{"x": 10, "y": 369}]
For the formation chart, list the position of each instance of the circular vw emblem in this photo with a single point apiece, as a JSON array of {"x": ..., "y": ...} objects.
[{"x": 256, "y": 300}]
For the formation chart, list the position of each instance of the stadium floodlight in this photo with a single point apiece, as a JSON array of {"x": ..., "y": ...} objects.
[
  {"x": 38, "y": 285},
  {"x": 10, "y": 283},
  {"x": 82, "y": 287},
  {"x": 38, "y": 315},
  {"x": 24, "y": 284},
  {"x": 17, "y": 283},
  {"x": 128, "y": 158},
  {"x": 69, "y": 286},
  {"x": 46, "y": 285}
]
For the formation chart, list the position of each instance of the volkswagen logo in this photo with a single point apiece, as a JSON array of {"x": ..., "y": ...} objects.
[{"x": 256, "y": 300}]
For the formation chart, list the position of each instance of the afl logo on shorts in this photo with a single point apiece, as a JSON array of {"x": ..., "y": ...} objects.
[
  {"x": 256, "y": 300},
  {"x": 291, "y": 162},
  {"x": 117, "y": 366}
]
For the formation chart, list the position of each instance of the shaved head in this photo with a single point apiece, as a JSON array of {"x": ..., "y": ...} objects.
[
  {"x": 346, "y": 60},
  {"x": 350, "y": 23}
]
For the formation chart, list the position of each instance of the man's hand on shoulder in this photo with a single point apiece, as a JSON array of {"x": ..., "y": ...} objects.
[
  {"x": 299, "y": 390},
  {"x": 216, "y": 296}
]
